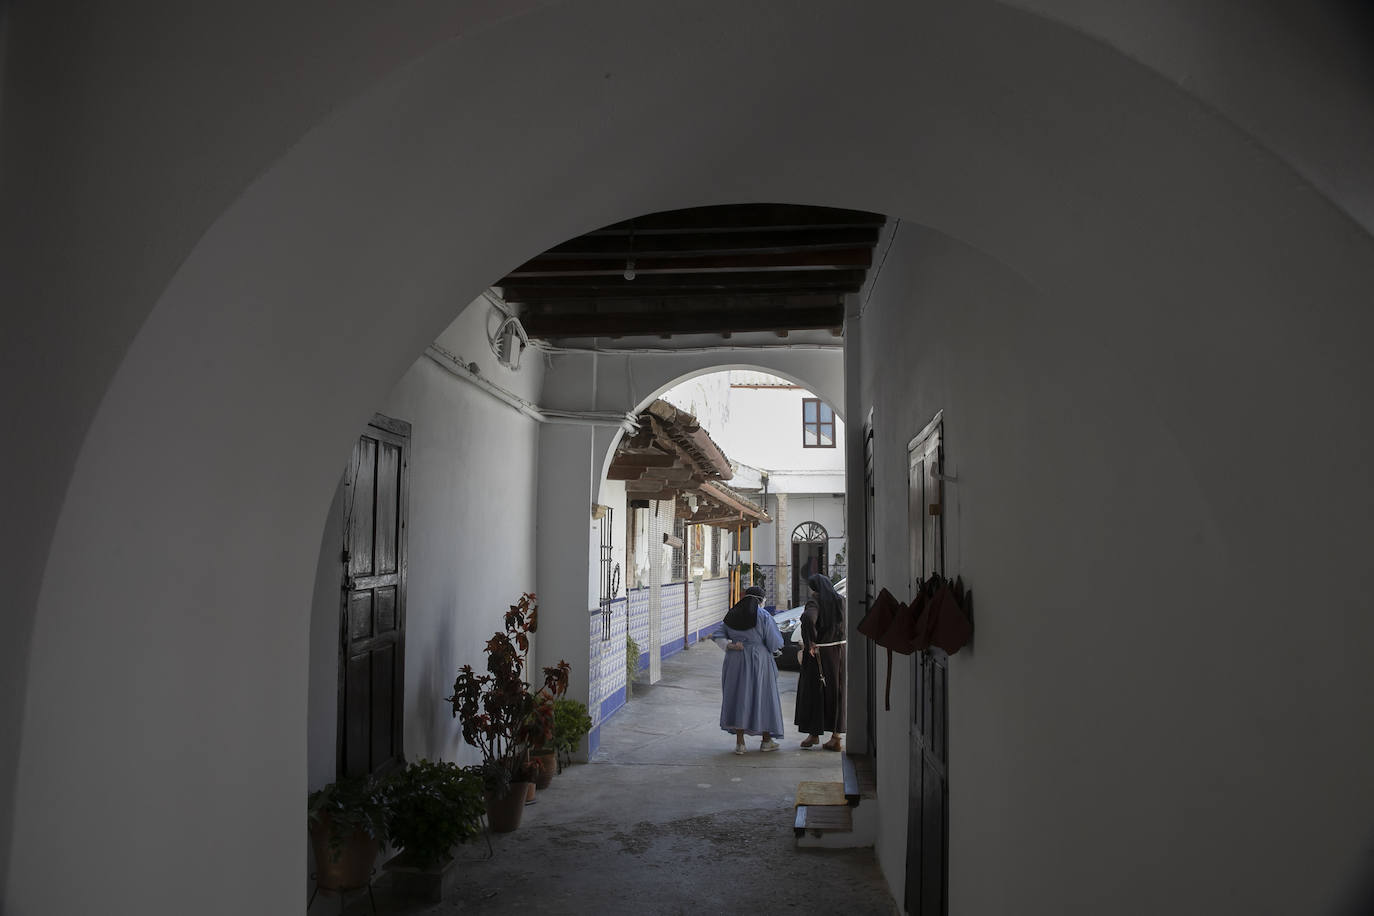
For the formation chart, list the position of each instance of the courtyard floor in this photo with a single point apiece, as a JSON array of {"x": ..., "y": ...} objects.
[{"x": 665, "y": 819}]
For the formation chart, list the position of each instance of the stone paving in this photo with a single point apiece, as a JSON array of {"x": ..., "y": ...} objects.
[{"x": 665, "y": 819}]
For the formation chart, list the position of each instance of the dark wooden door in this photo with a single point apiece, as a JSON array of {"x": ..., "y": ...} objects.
[
  {"x": 927, "y": 854},
  {"x": 808, "y": 558},
  {"x": 870, "y": 586},
  {"x": 372, "y": 626}
]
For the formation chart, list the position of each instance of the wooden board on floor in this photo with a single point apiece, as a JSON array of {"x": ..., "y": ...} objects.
[{"x": 821, "y": 793}]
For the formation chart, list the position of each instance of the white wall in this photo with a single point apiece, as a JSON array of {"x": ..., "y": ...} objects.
[
  {"x": 470, "y": 548},
  {"x": 249, "y": 242},
  {"x": 613, "y": 497},
  {"x": 1118, "y": 513},
  {"x": 706, "y": 397},
  {"x": 827, "y": 509},
  {"x": 766, "y": 432}
]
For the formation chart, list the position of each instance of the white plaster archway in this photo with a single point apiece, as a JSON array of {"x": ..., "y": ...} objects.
[
  {"x": 993, "y": 127},
  {"x": 821, "y": 371}
]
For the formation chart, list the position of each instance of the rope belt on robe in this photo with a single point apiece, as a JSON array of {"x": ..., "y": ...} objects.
[{"x": 825, "y": 645}]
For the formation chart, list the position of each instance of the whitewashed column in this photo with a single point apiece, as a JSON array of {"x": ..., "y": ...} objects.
[{"x": 782, "y": 574}]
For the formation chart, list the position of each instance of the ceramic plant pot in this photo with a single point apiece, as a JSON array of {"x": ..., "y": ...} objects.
[
  {"x": 545, "y": 765},
  {"x": 504, "y": 814},
  {"x": 351, "y": 868}
]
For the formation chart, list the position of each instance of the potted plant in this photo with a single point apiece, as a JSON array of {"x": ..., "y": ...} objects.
[
  {"x": 570, "y": 724},
  {"x": 631, "y": 664},
  {"x": 544, "y": 753},
  {"x": 499, "y": 713},
  {"x": 432, "y": 808},
  {"x": 347, "y": 821}
]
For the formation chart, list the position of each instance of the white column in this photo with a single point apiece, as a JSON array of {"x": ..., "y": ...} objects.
[
  {"x": 563, "y": 550},
  {"x": 856, "y": 413},
  {"x": 782, "y": 574}
]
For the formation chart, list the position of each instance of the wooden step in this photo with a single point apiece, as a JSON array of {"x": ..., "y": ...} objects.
[
  {"x": 860, "y": 778},
  {"x": 819, "y": 819}
]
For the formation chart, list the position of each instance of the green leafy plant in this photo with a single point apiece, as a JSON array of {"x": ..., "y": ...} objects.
[
  {"x": 347, "y": 806},
  {"x": 433, "y": 807},
  {"x": 570, "y": 724},
  {"x": 500, "y": 716},
  {"x": 631, "y": 659},
  {"x": 752, "y": 574},
  {"x": 541, "y": 723}
]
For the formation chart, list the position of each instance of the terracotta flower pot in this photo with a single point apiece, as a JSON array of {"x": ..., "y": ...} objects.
[
  {"x": 546, "y": 765},
  {"x": 351, "y": 869},
  {"x": 504, "y": 814}
]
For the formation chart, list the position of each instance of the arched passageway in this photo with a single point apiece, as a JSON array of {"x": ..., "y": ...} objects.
[{"x": 1146, "y": 285}]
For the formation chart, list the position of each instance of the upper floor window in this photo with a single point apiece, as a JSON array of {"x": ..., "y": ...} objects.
[{"x": 818, "y": 424}]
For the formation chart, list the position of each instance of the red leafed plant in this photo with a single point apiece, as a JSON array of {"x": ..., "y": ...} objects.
[{"x": 500, "y": 715}]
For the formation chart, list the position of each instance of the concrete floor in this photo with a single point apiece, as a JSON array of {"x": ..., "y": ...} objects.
[{"x": 665, "y": 819}]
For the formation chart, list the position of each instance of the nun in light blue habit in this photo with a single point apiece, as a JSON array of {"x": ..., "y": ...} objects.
[{"x": 749, "y": 702}]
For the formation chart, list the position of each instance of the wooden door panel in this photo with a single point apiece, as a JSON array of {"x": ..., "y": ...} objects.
[
  {"x": 383, "y": 676},
  {"x": 927, "y": 866},
  {"x": 358, "y": 696},
  {"x": 936, "y": 745},
  {"x": 372, "y": 632},
  {"x": 360, "y": 615},
  {"x": 915, "y": 514},
  {"x": 388, "y": 509},
  {"x": 922, "y": 724},
  {"x": 385, "y": 617},
  {"x": 362, "y": 508},
  {"x": 915, "y": 836},
  {"x": 933, "y": 832}
]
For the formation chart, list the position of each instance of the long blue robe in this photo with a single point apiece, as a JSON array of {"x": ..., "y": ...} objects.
[{"x": 749, "y": 678}]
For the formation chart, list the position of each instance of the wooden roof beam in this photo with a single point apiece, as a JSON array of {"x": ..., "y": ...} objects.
[
  {"x": 614, "y": 286},
  {"x": 764, "y": 241},
  {"x": 547, "y": 265},
  {"x": 735, "y": 217},
  {"x": 649, "y": 323}
]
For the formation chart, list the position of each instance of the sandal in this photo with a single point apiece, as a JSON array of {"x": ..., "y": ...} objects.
[
  {"x": 810, "y": 741},
  {"x": 832, "y": 745}
]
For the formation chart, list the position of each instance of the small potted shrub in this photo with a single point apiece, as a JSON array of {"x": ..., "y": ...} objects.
[
  {"x": 347, "y": 821},
  {"x": 432, "y": 808},
  {"x": 570, "y": 724},
  {"x": 631, "y": 664},
  {"x": 499, "y": 714},
  {"x": 543, "y": 753}
]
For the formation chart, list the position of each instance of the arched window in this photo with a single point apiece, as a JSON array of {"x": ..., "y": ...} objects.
[{"x": 810, "y": 543}]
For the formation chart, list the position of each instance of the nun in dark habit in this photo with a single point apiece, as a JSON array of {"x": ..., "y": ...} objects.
[
  {"x": 749, "y": 702},
  {"x": 820, "y": 687}
]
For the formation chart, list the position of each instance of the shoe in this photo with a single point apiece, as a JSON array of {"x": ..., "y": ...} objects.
[
  {"x": 810, "y": 741},
  {"x": 769, "y": 745},
  {"x": 832, "y": 745},
  {"x": 739, "y": 749}
]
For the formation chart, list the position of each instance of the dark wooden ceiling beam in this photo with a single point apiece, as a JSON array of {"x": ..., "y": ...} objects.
[
  {"x": 737, "y": 217},
  {"x": 640, "y": 487},
  {"x": 644, "y": 461},
  {"x": 673, "y": 284},
  {"x": 688, "y": 302},
  {"x": 824, "y": 259},
  {"x": 736, "y": 243},
  {"x": 737, "y": 321}
]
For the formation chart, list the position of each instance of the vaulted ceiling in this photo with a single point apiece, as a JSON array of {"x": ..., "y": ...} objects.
[{"x": 723, "y": 270}]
